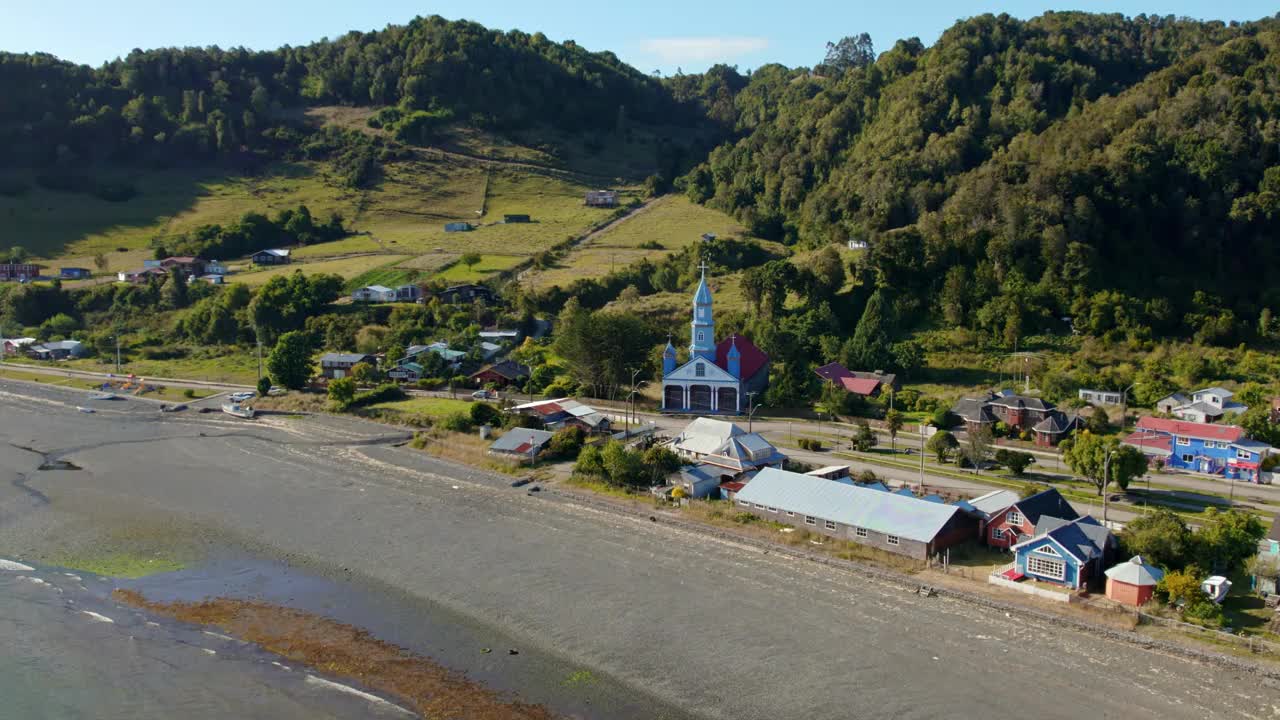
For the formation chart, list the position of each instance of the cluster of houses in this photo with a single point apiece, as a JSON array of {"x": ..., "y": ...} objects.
[
  {"x": 1202, "y": 406},
  {"x": 59, "y": 350},
  {"x": 455, "y": 294},
  {"x": 412, "y": 367},
  {"x": 1032, "y": 415},
  {"x": 194, "y": 268}
]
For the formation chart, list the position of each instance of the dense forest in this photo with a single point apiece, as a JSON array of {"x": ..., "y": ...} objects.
[
  {"x": 1112, "y": 176},
  {"x": 1120, "y": 172},
  {"x": 196, "y": 103}
]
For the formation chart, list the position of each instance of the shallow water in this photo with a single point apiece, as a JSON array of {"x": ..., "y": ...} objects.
[
  {"x": 60, "y": 659},
  {"x": 70, "y": 651}
]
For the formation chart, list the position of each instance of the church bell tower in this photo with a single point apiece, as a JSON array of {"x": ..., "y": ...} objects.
[{"x": 702, "y": 335}]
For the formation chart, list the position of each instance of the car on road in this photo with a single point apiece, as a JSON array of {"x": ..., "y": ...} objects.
[
  {"x": 242, "y": 396},
  {"x": 172, "y": 408},
  {"x": 86, "y": 409},
  {"x": 484, "y": 395}
]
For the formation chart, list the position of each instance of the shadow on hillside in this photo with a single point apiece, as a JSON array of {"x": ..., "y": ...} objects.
[{"x": 50, "y": 223}]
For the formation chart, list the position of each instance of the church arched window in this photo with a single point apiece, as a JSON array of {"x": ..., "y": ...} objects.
[{"x": 700, "y": 336}]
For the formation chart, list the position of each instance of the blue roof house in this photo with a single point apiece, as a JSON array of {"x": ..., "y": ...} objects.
[{"x": 1068, "y": 553}]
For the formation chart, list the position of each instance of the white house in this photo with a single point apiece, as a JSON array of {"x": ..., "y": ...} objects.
[
  {"x": 1101, "y": 397},
  {"x": 374, "y": 293},
  {"x": 726, "y": 446},
  {"x": 1207, "y": 405}
]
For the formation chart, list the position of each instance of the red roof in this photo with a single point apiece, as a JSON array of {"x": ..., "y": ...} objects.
[
  {"x": 1203, "y": 431},
  {"x": 860, "y": 386},
  {"x": 833, "y": 372},
  {"x": 733, "y": 485},
  {"x": 1151, "y": 441},
  {"x": 753, "y": 358}
]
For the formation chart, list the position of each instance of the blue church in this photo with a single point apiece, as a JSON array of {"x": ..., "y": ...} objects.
[{"x": 725, "y": 377}]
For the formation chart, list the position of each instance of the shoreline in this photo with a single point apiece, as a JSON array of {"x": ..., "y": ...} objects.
[
  {"x": 636, "y": 619},
  {"x": 344, "y": 651}
]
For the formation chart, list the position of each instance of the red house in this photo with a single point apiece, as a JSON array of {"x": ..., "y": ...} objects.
[
  {"x": 1018, "y": 522},
  {"x": 507, "y": 372}
]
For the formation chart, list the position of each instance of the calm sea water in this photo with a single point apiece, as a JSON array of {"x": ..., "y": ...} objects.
[{"x": 58, "y": 662}]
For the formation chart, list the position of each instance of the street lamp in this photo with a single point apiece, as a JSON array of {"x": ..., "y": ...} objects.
[
  {"x": 1106, "y": 480},
  {"x": 751, "y": 413},
  {"x": 1124, "y": 405},
  {"x": 631, "y": 400}
]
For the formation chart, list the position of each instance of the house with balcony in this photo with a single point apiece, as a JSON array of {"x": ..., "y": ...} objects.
[{"x": 1200, "y": 447}]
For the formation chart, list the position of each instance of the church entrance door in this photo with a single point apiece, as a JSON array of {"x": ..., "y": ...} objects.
[
  {"x": 700, "y": 398},
  {"x": 673, "y": 397},
  {"x": 727, "y": 399}
]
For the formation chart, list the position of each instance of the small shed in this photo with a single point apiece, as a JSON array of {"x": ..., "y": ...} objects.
[
  {"x": 518, "y": 218},
  {"x": 699, "y": 481},
  {"x": 520, "y": 444},
  {"x": 1133, "y": 582},
  {"x": 457, "y": 227}
]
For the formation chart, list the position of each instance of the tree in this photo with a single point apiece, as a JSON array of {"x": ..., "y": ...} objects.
[
  {"x": 290, "y": 361},
  {"x": 1161, "y": 537},
  {"x": 1098, "y": 422},
  {"x": 1016, "y": 460},
  {"x": 1086, "y": 455},
  {"x": 623, "y": 466},
  {"x": 364, "y": 373},
  {"x": 566, "y": 443},
  {"x": 1183, "y": 586},
  {"x": 175, "y": 289},
  {"x": 589, "y": 462},
  {"x": 978, "y": 446},
  {"x": 342, "y": 391},
  {"x": 864, "y": 439},
  {"x": 1227, "y": 539},
  {"x": 893, "y": 423},
  {"x": 661, "y": 462},
  {"x": 264, "y": 385},
  {"x": 100, "y": 261},
  {"x": 850, "y": 52},
  {"x": 942, "y": 444},
  {"x": 870, "y": 347},
  {"x": 470, "y": 259},
  {"x": 18, "y": 255}
]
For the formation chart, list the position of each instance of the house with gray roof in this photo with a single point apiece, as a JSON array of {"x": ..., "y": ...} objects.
[
  {"x": 60, "y": 350},
  {"x": 900, "y": 524},
  {"x": 338, "y": 365},
  {"x": 727, "y": 446},
  {"x": 374, "y": 293},
  {"x": 521, "y": 444}
]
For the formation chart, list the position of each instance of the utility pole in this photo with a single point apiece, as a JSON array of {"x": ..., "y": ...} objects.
[
  {"x": 1124, "y": 406},
  {"x": 922, "y": 427},
  {"x": 117, "y": 339},
  {"x": 259, "y": 356},
  {"x": 751, "y": 408},
  {"x": 751, "y": 414},
  {"x": 1106, "y": 480}
]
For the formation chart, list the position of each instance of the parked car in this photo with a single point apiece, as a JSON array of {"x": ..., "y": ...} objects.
[
  {"x": 242, "y": 396},
  {"x": 484, "y": 395}
]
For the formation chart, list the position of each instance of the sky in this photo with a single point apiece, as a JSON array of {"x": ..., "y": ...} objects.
[{"x": 661, "y": 35}]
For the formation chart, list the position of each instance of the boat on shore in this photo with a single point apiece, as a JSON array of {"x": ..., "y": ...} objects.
[{"x": 238, "y": 410}]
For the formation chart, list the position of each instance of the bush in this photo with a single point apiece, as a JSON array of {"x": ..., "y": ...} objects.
[
  {"x": 809, "y": 444},
  {"x": 589, "y": 462},
  {"x": 745, "y": 518},
  {"x": 432, "y": 383},
  {"x": 264, "y": 385},
  {"x": 456, "y": 422},
  {"x": 567, "y": 442},
  {"x": 484, "y": 414},
  {"x": 188, "y": 393},
  {"x": 942, "y": 419},
  {"x": 342, "y": 392},
  {"x": 388, "y": 392}
]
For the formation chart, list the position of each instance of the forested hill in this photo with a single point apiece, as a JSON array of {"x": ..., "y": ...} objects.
[
  {"x": 193, "y": 102},
  {"x": 1009, "y": 173}
]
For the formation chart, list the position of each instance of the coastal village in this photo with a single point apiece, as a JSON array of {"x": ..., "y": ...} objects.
[{"x": 1034, "y": 541}]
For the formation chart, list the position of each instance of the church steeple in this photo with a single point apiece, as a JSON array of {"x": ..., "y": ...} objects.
[{"x": 702, "y": 335}]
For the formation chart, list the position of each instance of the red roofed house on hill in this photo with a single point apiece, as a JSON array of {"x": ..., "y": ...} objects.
[
  {"x": 718, "y": 377},
  {"x": 867, "y": 384}
]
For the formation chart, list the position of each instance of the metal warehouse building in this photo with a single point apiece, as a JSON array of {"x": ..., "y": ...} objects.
[{"x": 888, "y": 521}]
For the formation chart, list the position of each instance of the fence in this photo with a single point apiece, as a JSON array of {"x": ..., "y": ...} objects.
[{"x": 1253, "y": 644}]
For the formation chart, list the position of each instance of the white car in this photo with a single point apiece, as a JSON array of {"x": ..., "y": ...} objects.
[
  {"x": 242, "y": 396},
  {"x": 483, "y": 395}
]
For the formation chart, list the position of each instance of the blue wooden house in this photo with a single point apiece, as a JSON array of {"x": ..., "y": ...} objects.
[
  {"x": 1068, "y": 553},
  {"x": 1200, "y": 447}
]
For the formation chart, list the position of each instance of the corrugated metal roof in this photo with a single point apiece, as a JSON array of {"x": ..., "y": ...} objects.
[
  {"x": 342, "y": 357},
  {"x": 994, "y": 501},
  {"x": 517, "y": 441},
  {"x": 1202, "y": 431},
  {"x": 705, "y": 435},
  {"x": 879, "y": 511}
]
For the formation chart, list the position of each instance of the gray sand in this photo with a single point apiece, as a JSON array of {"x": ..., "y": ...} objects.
[{"x": 715, "y": 628}]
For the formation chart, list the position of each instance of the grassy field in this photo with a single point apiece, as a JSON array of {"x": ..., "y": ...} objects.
[
  {"x": 432, "y": 407},
  {"x": 488, "y": 265},
  {"x": 673, "y": 222},
  {"x": 349, "y": 267},
  {"x": 239, "y": 368}
]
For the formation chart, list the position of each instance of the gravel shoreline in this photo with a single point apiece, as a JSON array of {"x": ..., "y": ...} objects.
[{"x": 681, "y": 618}]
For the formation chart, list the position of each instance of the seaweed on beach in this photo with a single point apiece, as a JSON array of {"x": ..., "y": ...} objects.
[{"x": 343, "y": 650}]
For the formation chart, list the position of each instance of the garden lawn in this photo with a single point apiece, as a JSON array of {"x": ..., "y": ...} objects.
[{"x": 432, "y": 407}]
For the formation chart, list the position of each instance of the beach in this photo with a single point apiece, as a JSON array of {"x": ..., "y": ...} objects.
[{"x": 614, "y": 616}]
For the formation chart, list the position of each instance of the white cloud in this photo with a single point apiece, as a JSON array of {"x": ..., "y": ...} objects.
[{"x": 674, "y": 50}]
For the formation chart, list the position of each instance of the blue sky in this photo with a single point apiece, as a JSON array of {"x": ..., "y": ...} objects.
[{"x": 655, "y": 35}]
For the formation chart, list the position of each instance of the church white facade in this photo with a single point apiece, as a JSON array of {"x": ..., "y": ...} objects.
[{"x": 724, "y": 377}]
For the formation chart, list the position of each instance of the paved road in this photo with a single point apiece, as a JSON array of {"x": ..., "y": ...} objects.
[{"x": 721, "y": 630}]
